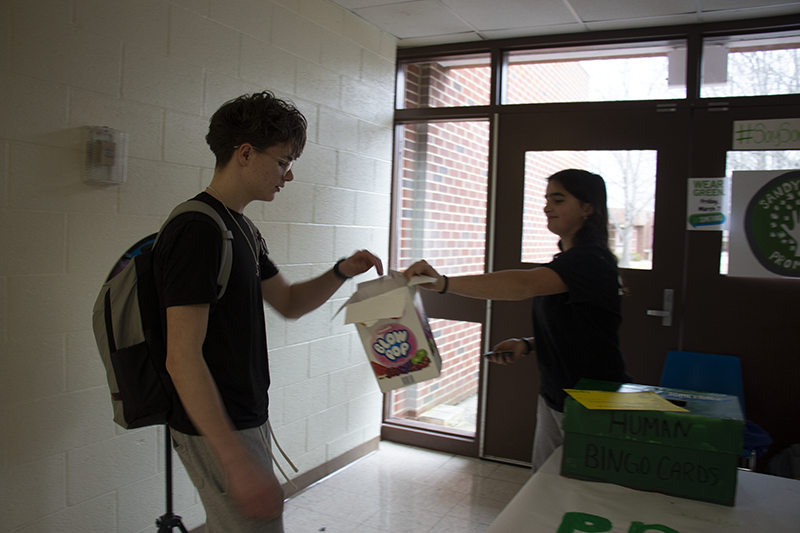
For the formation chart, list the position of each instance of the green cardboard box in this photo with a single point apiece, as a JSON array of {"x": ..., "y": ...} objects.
[{"x": 692, "y": 455}]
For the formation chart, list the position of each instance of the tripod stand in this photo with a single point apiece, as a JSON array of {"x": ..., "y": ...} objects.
[{"x": 168, "y": 521}]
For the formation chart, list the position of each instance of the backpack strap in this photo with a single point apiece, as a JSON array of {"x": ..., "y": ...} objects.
[{"x": 227, "y": 237}]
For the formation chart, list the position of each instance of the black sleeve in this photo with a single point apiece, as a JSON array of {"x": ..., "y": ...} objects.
[{"x": 190, "y": 252}]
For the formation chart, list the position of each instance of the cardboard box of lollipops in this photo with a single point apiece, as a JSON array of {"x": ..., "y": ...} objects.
[
  {"x": 394, "y": 330},
  {"x": 682, "y": 443}
]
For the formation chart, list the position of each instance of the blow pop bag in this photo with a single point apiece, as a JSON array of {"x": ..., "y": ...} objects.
[{"x": 391, "y": 321}]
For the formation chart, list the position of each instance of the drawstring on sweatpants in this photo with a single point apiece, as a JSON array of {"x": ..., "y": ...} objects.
[{"x": 265, "y": 438}]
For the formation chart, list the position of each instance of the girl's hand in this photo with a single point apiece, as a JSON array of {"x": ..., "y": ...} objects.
[
  {"x": 507, "y": 352},
  {"x": 422, "y": 268}
]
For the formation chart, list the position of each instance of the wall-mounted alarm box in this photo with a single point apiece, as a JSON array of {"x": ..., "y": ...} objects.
[{"x": 106, "y": 155}]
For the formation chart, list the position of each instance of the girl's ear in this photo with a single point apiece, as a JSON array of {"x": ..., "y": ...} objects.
[{"x": 588, "y": 209}]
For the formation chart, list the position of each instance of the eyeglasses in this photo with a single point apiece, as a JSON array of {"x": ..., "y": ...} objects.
[{"x": 285, "y": 164}]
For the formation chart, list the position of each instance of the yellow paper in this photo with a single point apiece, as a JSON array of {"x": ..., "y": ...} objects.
[{"x": 624, "y": 401}]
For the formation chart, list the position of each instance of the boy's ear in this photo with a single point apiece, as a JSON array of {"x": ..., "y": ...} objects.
[{"x": 244, "y": 153}]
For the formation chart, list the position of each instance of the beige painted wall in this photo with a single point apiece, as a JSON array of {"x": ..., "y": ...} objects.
[{"x": 157, "y": 69}]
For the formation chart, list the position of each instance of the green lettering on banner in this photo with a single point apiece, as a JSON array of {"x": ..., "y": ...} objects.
[
  {"x": 587, "y": 523},
  {"x": 766, "y": 134},
  {"x": 640, "y": 527}
]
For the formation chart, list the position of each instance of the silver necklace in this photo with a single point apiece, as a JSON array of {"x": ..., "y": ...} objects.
[{"x": 249, "y": 244}]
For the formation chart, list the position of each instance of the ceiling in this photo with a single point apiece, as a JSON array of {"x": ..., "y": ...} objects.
[{"x": 429, "y": 22}]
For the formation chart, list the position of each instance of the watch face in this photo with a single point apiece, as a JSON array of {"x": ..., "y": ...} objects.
[
  {"x": 772, "y": 225},
  {"x": 132, "y": 252}
]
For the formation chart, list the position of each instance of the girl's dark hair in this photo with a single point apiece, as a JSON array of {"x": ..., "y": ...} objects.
[
  {"x": 260, "y": 119},
  {"x": 591, "y": 189}
]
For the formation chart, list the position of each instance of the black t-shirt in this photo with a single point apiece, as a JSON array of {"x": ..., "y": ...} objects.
[
  {"x": 235, "y": 348},
  {"x": 577, "y": 332}
]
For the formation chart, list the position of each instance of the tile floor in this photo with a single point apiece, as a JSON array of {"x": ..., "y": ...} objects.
[{"x": 402, "y": 489}]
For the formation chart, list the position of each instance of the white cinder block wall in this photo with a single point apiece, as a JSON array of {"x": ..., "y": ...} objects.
[{"x": 157, "y": 69}]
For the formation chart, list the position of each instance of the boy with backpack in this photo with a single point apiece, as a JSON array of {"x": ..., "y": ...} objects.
[{"x": 217, "y": 348}]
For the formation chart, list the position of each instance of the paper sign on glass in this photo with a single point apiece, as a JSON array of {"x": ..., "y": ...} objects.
[
  {"x": 708, "y": 204},
  {"x": 624, "y": 401}
]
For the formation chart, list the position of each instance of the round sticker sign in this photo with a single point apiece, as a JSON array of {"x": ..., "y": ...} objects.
[{"x": 772, "y": 225}]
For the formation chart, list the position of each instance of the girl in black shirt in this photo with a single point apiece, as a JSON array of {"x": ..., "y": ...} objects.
[{"x": 576, "y": 301}]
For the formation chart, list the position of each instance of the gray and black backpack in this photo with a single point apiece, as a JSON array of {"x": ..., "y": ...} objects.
[{"x": 128, "y": 330}]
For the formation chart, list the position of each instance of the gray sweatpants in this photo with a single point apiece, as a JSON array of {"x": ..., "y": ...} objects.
[{"x": 222, "y": 515}]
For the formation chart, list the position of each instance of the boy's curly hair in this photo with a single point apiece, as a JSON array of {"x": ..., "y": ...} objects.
[{"x": 260, "y": 119}]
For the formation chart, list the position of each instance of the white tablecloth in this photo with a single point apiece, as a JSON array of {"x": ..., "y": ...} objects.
[{"x": 764, "y": 503}]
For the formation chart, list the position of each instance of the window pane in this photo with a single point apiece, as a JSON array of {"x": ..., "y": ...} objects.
[
  {"x": 444, "y": 187},
  {"x": 630, "y": 177},
  {"x": 446, "y": 83},
  {"x": 598, "y": 74},
  {"x": 443, "y": 220},
  {"x": 449, "y": 401},
  {"x": 754, "y": 160},
  {"x": 753, "y": 65}
]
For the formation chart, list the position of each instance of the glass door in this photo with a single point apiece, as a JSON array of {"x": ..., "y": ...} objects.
[
  {"x": 641, "y": 150},
  {"x": 753, "y": 318}
]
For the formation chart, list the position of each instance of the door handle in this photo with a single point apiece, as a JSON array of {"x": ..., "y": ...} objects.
[{"x": 666, "y": 313}]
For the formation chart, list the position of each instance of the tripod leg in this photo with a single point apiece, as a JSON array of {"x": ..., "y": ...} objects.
[{"x": 169, "y": 521}]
